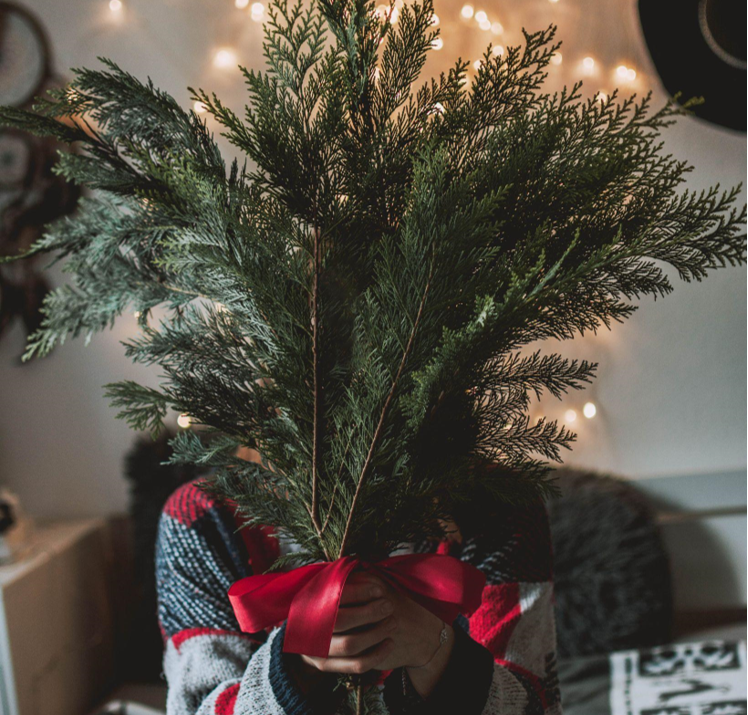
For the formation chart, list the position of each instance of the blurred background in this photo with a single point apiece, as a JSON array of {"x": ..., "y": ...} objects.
[{"x": 666, "y": 416}]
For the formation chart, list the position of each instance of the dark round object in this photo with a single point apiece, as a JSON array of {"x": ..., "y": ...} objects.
[
  {"x": 699, "y": 48},
  {"x": 611, "y": 572}
]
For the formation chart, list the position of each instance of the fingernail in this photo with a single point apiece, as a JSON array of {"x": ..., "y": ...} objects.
[{"x": 387, "y": 608}]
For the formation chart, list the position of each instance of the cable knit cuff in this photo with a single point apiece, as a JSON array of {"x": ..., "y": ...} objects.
[
  {"x": 463, "y": 687},
  {"x": 320, "y": 701}
]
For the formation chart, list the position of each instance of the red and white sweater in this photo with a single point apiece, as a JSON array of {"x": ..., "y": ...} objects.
[{"x": 503, "y": 662}]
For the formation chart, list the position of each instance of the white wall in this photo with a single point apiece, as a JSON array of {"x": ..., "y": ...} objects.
[{"x": 672, "y": 381}]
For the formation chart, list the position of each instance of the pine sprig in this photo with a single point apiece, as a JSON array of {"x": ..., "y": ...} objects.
[{"x": 352, "y": 301}]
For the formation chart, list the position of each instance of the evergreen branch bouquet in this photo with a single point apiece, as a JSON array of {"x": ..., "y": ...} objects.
[{"x": 352, "y": 302}]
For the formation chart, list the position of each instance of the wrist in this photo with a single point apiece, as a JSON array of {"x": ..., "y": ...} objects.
[{"x": 306, "y": 675}]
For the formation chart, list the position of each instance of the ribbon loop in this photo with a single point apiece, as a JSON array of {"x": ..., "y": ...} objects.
[{"x": 309, "y": 596}]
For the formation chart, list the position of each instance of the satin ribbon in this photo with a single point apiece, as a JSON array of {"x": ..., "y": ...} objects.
[{"x": 308, "y": 597}]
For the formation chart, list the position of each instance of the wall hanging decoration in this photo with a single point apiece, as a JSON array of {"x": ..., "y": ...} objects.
[{"x": 31, "y": 194}]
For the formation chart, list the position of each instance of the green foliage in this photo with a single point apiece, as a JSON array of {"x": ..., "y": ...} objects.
[{"x": 353, "y": 300}]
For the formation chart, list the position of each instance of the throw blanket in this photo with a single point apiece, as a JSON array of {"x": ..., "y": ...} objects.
[{"x": 704, "y": 678}]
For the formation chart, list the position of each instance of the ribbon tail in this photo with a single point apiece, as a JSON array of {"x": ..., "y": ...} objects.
[{"x": 314, "y": 609}]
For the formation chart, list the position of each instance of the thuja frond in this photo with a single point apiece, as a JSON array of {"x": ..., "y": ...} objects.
[{"x": 352, "y": 298}]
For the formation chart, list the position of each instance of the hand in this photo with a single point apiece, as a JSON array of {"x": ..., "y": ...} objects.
[{"x": 379, "y": 628}]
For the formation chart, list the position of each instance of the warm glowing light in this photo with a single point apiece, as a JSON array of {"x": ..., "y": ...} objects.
[
  {"x": 382, "y": 10},
  {"x": 241, "y": 4},
  {"x": 137, "y": 313},
  {"x": 480, "y": 16},
  {"x": 602, "y": 96},
  {"x": 115, "y": 5},
  {"x": 184, "y": 420},
  {"x": 394, "y": 15},
  {"x": 257, "y": 11},
  {"x": 434, "y": 19},
  {"x": 199, "y": 107},
  {"x": 485, "y": 25},
  {"x": 554, "y": 1},
  {"x": 224, "y": 58},
  {"x": 622, "y": 71},
  {"x": 570, "y": 415},
  {"x": 497, "y": 50},
  {"x": 467, "y": 11},
  {"x": 556, "y": 58},
  {"x": 588, "y": 63},
  {"x": 589, "y": 410},
  {"x": 497, "y": 28},
  {"x": 439, "y": 108},
  {"x": 477, "y": 64},
  {"x": 630, "y": 74},
  {"x": 437, "y": 43}
]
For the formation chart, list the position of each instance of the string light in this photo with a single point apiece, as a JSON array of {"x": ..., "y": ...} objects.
[
  {"x": 437, "y": 43},
  {"x": 570, "y": 415},
  {"x": 556, "y": 58},
  {"x": 602, "y": 96},
  {"x": 137, "y": 313},
  {"x": 588, "y": 63},
  {"x": 497, "y": 28},
  {"x": 257, "y": 11},
  {"x": 553, "y": 1},
  {"x": 184, "y": 420},
  {"x": 497, "y": 50},
  {"x": 115, "y": 5},
  {"x": 434, "y": 19},
  {"x": 477, "y": 64},
  {"x": 224, "y": 58},
  {"x": 199, "y": 107},
  {"x": 485, "y": 25},
  {"x": 589, "y": 410},
  {"x": 467, "y": 11},
  {"x": 394, "y": 15},
  {"x": 480, "y": 16},
  {"x": 241, "y": 4},
  {"x": 626, "y": 73}
]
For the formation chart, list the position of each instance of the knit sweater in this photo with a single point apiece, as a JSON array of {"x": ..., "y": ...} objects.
[{"x": 502, "y": 663}]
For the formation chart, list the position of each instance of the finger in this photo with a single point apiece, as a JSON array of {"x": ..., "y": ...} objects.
[
  {"x": 360, "y": 590},
  {"x": 361, "y": 663},
  {"x": 357, "y": 616},
  {"x": 354, "y": 644}
]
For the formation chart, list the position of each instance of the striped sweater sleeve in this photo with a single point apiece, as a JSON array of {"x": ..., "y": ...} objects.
[
  {"x": 211, "y": 667},
  {"x": 515, "y": 621}
]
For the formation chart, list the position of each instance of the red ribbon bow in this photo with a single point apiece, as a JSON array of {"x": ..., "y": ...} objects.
[{"x": 309, "y": 596}]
